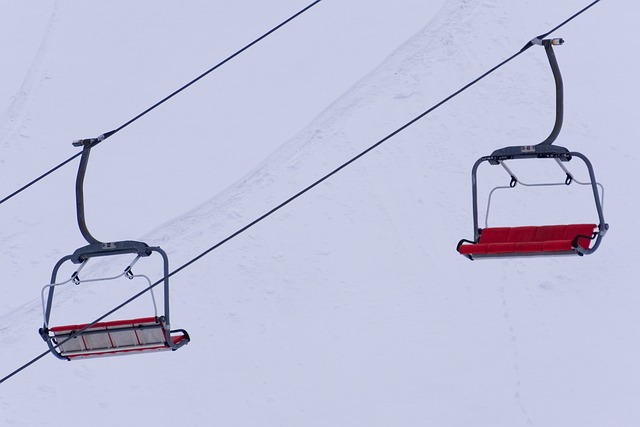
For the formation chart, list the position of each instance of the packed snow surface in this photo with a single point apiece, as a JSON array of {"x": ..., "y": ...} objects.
[{"x": 350, "y": 305}]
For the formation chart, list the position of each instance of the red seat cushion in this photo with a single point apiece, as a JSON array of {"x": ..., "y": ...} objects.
[
  {"x": 546, "y": 233},
  {"x": 473, "y": 249},
  {"x": 574, "y": 230},
  {"x": 529, "y": 239},
  {"x": 522, "y": 234},
  {"x": 527, "y": 247},
  {"x": 556, "y": 245},
  {"x": 493, "y": 235},
  {"x": 501, "y": 248}
]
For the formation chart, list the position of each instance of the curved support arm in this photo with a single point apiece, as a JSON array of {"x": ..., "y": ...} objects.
[
  {"x": 548, "y": 47},
  {"x": 82, "y": 169}
]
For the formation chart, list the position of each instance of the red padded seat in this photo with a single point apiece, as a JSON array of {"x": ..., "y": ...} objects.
[{"x": 529, "y": 240}]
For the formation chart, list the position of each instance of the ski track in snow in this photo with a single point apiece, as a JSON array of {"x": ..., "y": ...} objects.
[
  {"x": 16, "y": 116},
  {"x": 273, "y": 313},
  {"x": 513, "y": 340}
]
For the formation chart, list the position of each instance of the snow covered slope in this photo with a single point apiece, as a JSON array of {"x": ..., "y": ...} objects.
[{"x": 350, "y": 306}]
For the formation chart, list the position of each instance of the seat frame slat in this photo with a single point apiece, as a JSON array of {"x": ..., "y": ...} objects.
[{"x": 158, "y": 343}]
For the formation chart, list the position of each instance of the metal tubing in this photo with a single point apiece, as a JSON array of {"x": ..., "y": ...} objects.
[
  {"x": 474, "y": 198},
  {"x": 54, "y": 276},
  {"x": 167, "y": 320},
  {"x": 165, "y": 260},
  {"x": 548, "y": 47},
  {"x": 44, "y": 332},
  {"x": 602, "y": 225},
  {"x": 82, "y": 169}
]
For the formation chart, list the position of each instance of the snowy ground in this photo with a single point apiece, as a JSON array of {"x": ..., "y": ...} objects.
[{"x": 350, "y": 306}]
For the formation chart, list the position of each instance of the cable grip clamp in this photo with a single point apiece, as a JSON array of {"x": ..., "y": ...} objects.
[{"x": 87, "y": 141}]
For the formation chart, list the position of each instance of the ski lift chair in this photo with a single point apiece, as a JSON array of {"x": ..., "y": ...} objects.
[
  {"x": 112, "y": 337},
  {"x": 542, "y": 240}
]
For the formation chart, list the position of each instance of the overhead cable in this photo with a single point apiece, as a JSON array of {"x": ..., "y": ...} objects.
[
  {"x": 96, "y": 141},
  {"x": 295, "y": 196}
]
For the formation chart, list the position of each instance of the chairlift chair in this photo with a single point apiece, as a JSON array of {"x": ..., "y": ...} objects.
[
  {"x": 112, "y": 337},
  {"x": 544, "y": 240}
]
